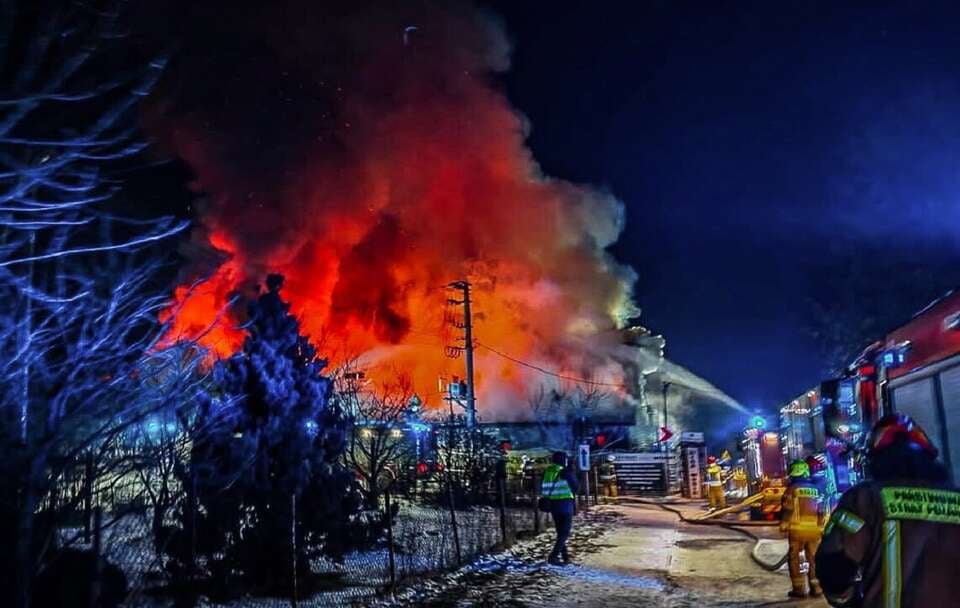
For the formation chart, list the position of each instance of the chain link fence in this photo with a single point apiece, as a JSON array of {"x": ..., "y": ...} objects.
[{"x": 434, "y": 528}]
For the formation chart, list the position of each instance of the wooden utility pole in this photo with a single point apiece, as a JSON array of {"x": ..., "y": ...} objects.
[{"x": 471, "y": 407}]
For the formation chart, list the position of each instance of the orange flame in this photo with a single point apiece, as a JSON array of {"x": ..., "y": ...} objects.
[{"x": 412, "y": 182}]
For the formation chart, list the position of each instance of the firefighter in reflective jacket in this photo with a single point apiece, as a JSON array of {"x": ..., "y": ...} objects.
[
  {"x": 802, "y": 522},
  {"x": 559, "y": 487},
  {"x": 608, "y": 478},
  {"x": 740, "y": 481},
  {"x": 892, "y": 541},
  {"x": 718, "y": 499}
]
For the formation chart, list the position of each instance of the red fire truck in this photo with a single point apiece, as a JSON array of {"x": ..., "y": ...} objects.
[
  {"x": 914, "y": 370},
  {"x": 918, "y": 373}
]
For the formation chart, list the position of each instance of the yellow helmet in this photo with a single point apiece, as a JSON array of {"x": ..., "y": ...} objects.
[{"x": 799, "y": 468}]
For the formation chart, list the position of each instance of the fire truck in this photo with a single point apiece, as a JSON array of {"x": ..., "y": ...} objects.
[
  {"x": 916, "y": 371},
  {"x": 764, "y": 463}
]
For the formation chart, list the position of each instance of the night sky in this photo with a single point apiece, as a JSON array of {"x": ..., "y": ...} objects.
[
  {"x": 766, "y": 155},
  {"x": 757, "y": 149}
]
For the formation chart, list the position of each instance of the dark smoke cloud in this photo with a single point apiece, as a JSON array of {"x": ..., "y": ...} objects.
[{"x": 365, "y": 151}]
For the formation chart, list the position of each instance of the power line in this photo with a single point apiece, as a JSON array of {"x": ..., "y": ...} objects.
[{"x": 548, "y": 372}]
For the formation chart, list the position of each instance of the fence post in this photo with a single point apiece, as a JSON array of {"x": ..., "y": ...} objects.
[
  {"x": 97, "y": 563},
  {"x": 596, "y": 486},
  {"x": 87, "y": 494},
  {"x": 390, "y": 548},
  {"x": 586, "y": 491},
  {"x": 501, "y": 483},
  {"x": 293, "y": 543},
  {"x": 192, "y": 502},
  {"x": 535, "y": 492},
  {"x": 453, "y": 521}
]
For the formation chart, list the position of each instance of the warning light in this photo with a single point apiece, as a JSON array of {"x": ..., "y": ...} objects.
[
  {"x": 758, "y": 422},
  {"x": 422, "y": 468},
  {"x": 600, "y": 440}
]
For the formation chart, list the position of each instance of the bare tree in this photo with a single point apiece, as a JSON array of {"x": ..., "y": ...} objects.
[
  {"x": 566, "y": 414},
  {"x": 468, "y": 460},
  {"x": 80, "y": 287},
  {"x": 866, "y": 292},
  {"x": 381, "y": 436}
]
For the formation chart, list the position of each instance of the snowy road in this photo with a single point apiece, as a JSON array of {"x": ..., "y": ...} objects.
[{"x": 631, "y": 555}]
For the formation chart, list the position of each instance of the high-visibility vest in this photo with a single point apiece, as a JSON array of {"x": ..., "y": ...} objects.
[{"x": 554, "y": 486}]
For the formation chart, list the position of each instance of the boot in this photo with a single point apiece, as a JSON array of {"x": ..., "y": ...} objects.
[{"x": 799, "y": 590}]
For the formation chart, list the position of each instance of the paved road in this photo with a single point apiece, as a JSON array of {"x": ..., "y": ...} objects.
[{"x": 631, "y": 555}]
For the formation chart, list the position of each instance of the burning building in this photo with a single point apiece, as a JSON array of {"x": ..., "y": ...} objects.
[{"x": 365, "y": 151}]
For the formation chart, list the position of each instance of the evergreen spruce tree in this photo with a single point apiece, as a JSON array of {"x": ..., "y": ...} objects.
[{"x": 271, "y": 439}]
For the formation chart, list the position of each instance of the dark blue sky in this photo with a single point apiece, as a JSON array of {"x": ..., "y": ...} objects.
[{"x": 755, "y": 147}]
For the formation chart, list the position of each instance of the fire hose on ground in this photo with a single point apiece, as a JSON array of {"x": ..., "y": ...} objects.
[{"x": 736, "y": 527}]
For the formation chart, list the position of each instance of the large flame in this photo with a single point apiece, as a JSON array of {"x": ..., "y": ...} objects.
[{"x": 382, "y": 165}]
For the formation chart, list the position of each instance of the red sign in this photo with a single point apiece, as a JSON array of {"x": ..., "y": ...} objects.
[{"x": 665, "y": 434}]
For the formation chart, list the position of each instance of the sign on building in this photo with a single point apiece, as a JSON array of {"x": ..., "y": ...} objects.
[{"x": 692, "y": 481}]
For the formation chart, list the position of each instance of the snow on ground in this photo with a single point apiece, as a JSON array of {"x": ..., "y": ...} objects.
[
  {"x": 423, "y": 535},
  {"x": 632, "y": 555}
]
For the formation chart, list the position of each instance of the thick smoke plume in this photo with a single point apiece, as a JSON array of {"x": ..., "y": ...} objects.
[{"x": 365, "y": 152}]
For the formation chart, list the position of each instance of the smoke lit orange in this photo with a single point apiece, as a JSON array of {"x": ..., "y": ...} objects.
[{"x": 413, "y": 174}]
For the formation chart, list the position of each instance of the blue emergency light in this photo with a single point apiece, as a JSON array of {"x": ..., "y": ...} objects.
[{"x": 758, "y": 422}]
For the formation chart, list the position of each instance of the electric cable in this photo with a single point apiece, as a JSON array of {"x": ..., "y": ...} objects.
[{"x": 549, "y": 372}]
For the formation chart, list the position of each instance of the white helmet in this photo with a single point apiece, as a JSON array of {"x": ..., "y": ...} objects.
[{"x": 611, "y": 458}]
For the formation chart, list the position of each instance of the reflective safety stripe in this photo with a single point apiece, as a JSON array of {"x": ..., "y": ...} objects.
[
  {"x": 846, "y": 520},
  {"x": 807, "y": 493},
  {"x": 891, "y": 564},
  {"x": 558, "y": 490},
  {"x": 922, "y": 504},
  {"x": 555, "y": 487}
]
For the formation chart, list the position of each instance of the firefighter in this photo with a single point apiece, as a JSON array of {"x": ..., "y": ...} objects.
[
  {"x": 740, "y": 481},
  {"x": 608, "y": 478},
  {"x": 802, "y": 519},
  {"x": 892, "y": 541},
  {"x": 718, "y": 499}
]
